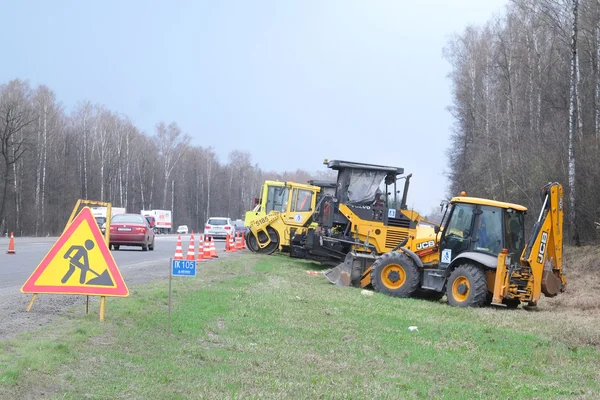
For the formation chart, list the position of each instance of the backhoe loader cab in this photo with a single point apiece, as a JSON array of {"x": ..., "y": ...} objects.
[
  {"x": 482, "y": 227},
  {"x": 282, "y": 206}
]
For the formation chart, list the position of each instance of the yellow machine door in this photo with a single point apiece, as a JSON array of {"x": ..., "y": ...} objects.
[{"x": 300, "y": 208}]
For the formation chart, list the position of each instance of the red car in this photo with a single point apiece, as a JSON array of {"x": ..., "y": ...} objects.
[{"x": 131, "y": 230}]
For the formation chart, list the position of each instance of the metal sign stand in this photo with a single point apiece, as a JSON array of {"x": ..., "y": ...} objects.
[{"x": 170, "y": 275}]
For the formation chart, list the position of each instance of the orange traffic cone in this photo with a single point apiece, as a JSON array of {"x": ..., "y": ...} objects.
[
  {"x": 11, "y": 244},
  {"x": 244, "y": 241},
  {"x": 231, "y": 240},
  {"x": 238, "y": 242},
  {"x": 213, "y": 249},
  {"x": 191, "y": 256},
  {"x": 227, "y": 246},
  {"x": 200, "y": 249},
  {"x": 207, "y": 248},
  {"x": 178, "y": 251}
]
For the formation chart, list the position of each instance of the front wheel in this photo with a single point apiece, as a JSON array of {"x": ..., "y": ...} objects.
[
  {"x": 395, "y": 274},
  {"x": 252, "y": 242},
  {"x": 467, "y": 287}
]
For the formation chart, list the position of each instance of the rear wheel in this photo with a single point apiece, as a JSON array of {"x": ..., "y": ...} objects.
[
  {"x": 395, "y": 274},
  {"x": 115, "y": 247},
  {"x": 252, "y": 243},
  {"x": 467, "y": 287},
  {"x": 144, "y": 247},
  {"x": 151, "y": 246}
]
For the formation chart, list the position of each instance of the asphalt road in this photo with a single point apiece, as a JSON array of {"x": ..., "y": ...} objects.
[{"x": 16, "y": 268}]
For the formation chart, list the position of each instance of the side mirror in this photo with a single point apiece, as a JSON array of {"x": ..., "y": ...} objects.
[{"x": 436, "y": 229}]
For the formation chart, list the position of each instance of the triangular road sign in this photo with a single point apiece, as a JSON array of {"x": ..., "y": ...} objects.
[{"x": 78, "y": 263}]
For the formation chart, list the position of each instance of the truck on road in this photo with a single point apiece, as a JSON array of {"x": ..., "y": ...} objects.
[{"x": 163, "y": 218}]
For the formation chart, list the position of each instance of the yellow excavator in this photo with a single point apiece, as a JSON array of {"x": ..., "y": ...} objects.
[
  {"x": 281, "y": 207},
  {"x": 479, "y": 257},
  {"x": 366, "y": 214}
]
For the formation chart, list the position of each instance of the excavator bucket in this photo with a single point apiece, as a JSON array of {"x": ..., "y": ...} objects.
[
  {"x": 350, "y": 271},
  {"x": 551, "y": 284},
  {"x": 340, "y": 275}
]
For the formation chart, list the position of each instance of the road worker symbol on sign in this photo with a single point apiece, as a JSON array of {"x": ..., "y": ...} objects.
[
  {"x": 78, "y": 258},
  {"x": 78, "y": 263}
]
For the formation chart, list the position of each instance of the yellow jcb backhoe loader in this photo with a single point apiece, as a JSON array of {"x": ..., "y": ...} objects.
[
  {"x": 281, "y": 207},
  {"x": 479, "y": 257}
]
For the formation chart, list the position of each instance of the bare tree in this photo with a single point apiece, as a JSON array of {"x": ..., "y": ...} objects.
[
  {"x": 573, "y": 112},
  {"x": 15, "y": 117}
]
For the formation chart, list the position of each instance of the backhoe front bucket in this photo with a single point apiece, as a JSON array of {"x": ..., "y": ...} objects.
[{"x": 340, "y": 275}]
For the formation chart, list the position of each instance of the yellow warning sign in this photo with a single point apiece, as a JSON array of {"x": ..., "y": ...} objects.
[{"x": 78, "y": 263}]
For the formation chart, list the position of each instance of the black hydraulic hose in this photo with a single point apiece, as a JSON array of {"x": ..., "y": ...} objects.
[{"x": 401, "y": 244}]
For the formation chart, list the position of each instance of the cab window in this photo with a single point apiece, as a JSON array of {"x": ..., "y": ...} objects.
[
  {"x": 302, "y": 200},
  {"x": 488, "y": 230},
  {"x": 277, "y": 197},
  {"x": 515, "y": 231},
  {"x": 460, "y": 223}
]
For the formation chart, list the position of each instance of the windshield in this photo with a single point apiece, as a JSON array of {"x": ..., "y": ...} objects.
[
  {"x": 128, "y": 218},
  {"x": 460, "y": 221},
  {"x": 277, "y": 198},
  {"x": 363, "y": 185},
  {"x": 217, "y": 221}
]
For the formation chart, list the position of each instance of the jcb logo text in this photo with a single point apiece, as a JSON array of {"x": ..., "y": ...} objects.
[{"x": 542, "y": 247}]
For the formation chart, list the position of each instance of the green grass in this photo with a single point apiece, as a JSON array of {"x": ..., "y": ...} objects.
[{"x": 260, "y": 327}]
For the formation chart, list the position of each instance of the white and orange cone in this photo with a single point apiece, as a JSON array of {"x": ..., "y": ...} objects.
[
  {"x": 213, "y": 249},
  {"x": 191, "y": 255},
  {"x": 178, "y": 250},
  {"x": 207, "y": 248},
  {"x": 200, "y": 250},
  {"x": 11, "y": 244}
]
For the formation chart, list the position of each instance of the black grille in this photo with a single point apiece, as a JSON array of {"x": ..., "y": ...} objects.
[{"x": 399, "y": 222}]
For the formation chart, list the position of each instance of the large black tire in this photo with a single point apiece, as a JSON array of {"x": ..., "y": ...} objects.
[
  {"x": 252, "y": 243},
  {"x": 395, "y": 274},
  {"x": 467, "y": 287}
]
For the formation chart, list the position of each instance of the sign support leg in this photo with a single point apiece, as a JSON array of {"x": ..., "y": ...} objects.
[
  {"x": 102, "y": 305},
  {"x": 31, "y": 302},
  {"x": 170, "y": 274},
  {"x": 87, "y": 304}
]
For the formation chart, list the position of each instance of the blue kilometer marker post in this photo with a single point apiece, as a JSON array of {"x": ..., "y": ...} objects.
[
  {"x": 183, "y": 268},
  {"x": 180, "y": 268}
]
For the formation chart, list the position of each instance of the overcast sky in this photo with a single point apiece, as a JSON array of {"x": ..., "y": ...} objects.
[{"x": 291, "y": 82}]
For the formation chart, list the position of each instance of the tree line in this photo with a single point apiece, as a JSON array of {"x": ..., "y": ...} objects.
[
  {"x": 50, "y": 158},
  {"x": 526, "y": 106}
]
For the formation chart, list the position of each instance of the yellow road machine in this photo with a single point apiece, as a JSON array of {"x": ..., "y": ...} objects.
[{"x": 281, "y": 207}]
